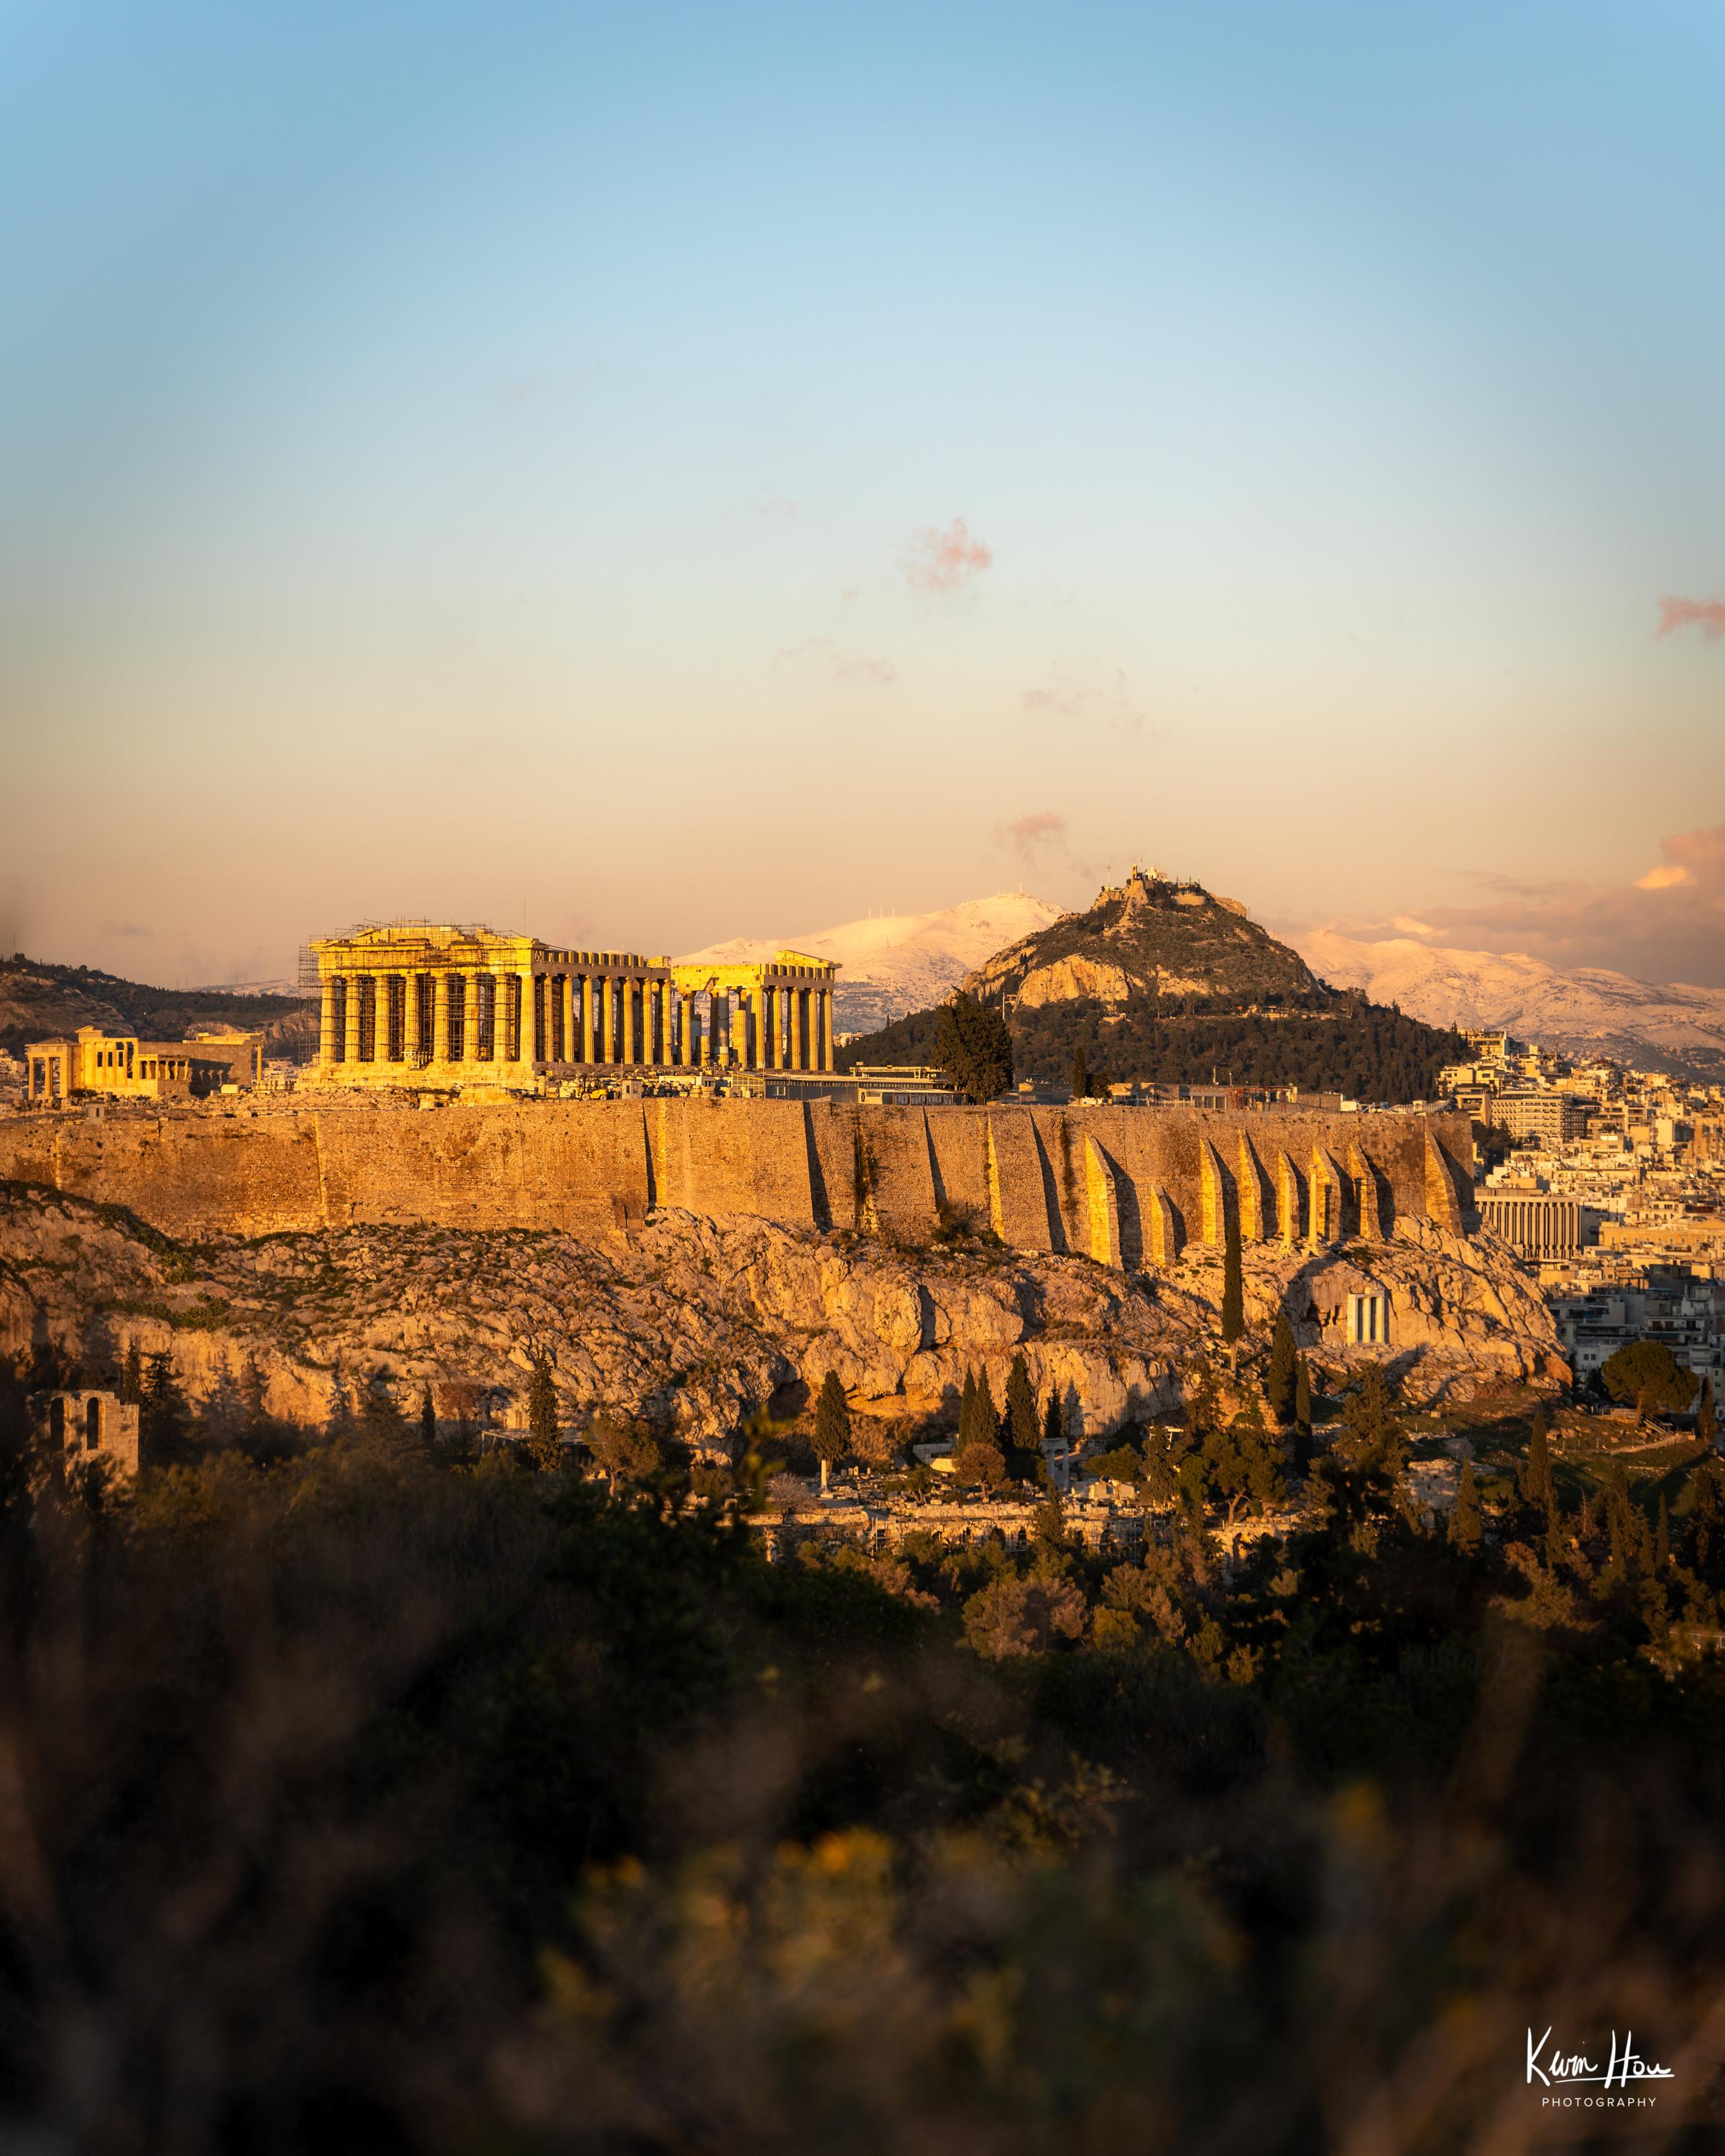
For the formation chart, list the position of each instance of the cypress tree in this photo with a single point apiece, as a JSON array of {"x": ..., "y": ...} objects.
[
  {"x": 1081, "y": 1075},
  {"x": 987, "y": 1422},
  {"x": 1282, "y": 1384},
  {"x": 1233, "y": 1288},
  {"x": 544, "y": 1440},
  {"x": 1662, "y": 1540},
  {"x": 1538, "y": 1485},
  {"x": 832, "y": 1425},
  {"x": 1466, "y": 1526},
  {"x": 166, "y": 1416},
  {"x": 1023, "y": 1422},
  {"x": 1302, "y": 1395},
  {"x": 966, "y": 1410},
  {"x": 428, "y": 1419},
  {"x": 1706, "y": 1416},
  {"x": 131, "y": 1375}
]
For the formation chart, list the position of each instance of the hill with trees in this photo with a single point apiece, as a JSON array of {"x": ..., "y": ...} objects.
[
  {"x": 41, "y": 1001},
  {"x": 1163, "y": 983}
]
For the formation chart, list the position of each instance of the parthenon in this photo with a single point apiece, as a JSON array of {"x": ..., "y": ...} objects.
[{"x": 418, "y": 1003}]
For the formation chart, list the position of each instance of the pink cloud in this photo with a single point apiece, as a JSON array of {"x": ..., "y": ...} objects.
[
  {"x": 1029, "y": 833},
  {"x": 830, "y": 658},
  {"x": 1662, "y": 926},
  {"x": 1707, "y": 615},
  {"x": 943, "y": 558}
]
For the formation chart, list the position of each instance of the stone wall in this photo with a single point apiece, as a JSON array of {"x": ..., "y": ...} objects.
[{"x": 1126, "y": 1186}]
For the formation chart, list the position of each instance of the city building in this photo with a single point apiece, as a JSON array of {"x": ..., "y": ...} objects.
[
  {"x": 124, "y": 1067},
  {"x": 1549, "y": 1115},
  {"x": 414, "y": 1003}
]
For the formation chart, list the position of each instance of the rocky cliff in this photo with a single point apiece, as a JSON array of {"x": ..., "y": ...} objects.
[
  {"x": 1153, "y": 937},
  {"x": 694, "y": 1322}
]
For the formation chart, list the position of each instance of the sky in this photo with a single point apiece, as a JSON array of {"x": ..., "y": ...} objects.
[{"x": 656, "y": 473}]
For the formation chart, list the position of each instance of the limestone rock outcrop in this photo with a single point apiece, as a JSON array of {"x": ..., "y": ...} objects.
[{"x": 694, "y": 1322}]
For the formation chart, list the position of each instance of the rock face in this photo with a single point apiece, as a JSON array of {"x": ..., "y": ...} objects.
[
  {"x": 696, "y": 1321},
  {"x": 1149, "y": 937}
]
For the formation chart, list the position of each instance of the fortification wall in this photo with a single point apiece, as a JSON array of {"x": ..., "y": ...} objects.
[{"x": 1127, "y": 1186}]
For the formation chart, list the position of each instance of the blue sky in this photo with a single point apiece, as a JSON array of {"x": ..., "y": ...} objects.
[{"x": 675, "y": 472}]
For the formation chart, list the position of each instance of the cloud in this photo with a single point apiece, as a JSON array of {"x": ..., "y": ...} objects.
[
  {"x": 1404, "y": 924},
  {"x": 945, "y": 559},
  {"x": 821, "y": 653},
  {"x": 128, "y": 931},
  {"x": 1707, "y": 615},
  {"x": 1110, "y": 707},
  {"x": 1666, "y": 925},
  {"x": 1027, "y": 837}
]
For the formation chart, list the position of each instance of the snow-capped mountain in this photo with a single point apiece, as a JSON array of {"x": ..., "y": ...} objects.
[
  {"x": 900, "y": 962},
  {"x": 1586, "y": 1010}
]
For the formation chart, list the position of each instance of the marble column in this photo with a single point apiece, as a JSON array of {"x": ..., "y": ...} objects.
[
  {"x": 628, "y": 1018},
  {"x": 351, "y": 1044},
  {"x": 826, "y": 1029},
  {"x": 326, "y": 1020},
  {"x": 410, "y": 1019},
  {"x": 441, "y": 985},
  {"x": 606, "y": 989},
  {"x": 799, "y": 998},
  {"x": 687, "y": 1055},
  {"x": 469, "y": 1017},
  {"x": 527, "y": 1047}
]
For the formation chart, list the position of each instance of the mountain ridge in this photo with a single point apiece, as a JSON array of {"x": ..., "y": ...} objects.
[
  {"x": 893, "y": 963},
  {"x": 1579, "y": 1011}
]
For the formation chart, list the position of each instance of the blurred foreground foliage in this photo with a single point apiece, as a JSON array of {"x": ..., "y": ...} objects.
[{"x": 369, "y": 1800}]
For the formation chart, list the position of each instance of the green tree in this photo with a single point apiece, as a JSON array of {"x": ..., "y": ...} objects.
[
  {"x": 131, "y": 1375},
  {"x": 428, "y": 1419},
  {"x": 1467, "y": 1523},
  {"x": 626, "y": 1450},
  {"x": 1233, "y": 1287},
  {"x": 1538, "y": 1485},
  {"x": 978, "y": 1423},
  {"x": 165, "y": 1419},
  {"x": 1081, "y": 1075},
  {"x": 1282, "y": 1384},
  {"x": 1648, "y": 1375},
  {"x": 381, "y": 1421},
  {"x": 545, "y": 1443},
  {"x": 832, "y": 1425},
  {"x": 973, "y": 1047},
  {"x": 980, "y": 1460},
  {"x": 1706, "y": 1419},
  {"x": 1024, "y": 1424},
  {"x": 1302, "y": 1395}
]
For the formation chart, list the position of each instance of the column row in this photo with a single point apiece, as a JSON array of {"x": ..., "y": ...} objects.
[{"x": 474, "y": 1016}]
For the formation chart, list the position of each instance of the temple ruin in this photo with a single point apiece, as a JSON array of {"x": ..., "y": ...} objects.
[{"x": 413, "y": 1002}]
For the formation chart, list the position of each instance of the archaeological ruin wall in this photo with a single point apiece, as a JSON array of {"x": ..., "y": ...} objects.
[{"x": 1128, "y": 1187}]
